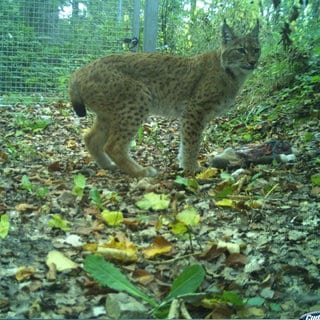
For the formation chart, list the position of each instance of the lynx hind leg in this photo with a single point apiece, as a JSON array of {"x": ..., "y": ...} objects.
[
  {"x": 95, "y": 141},
  {"x": 117, "y": 147}
]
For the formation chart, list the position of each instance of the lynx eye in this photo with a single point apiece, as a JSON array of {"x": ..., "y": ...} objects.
[{"x": 242, "y": 50}]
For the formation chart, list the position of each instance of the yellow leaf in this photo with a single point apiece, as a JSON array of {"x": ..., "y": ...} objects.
[
  {"x": 60, "y": 260},
  {"x": 123, "y": 250},
  {"x": 251, "y": 312},
  {"x": 4, "y": 225},
  {"x": 189, "y": 217},
  {"x": 25, "y": 273},
  {"x": 178, "y": 228},
  {"x": 208, "y": 173},
  {"x": 225, "y": 203},
  {"x": 159, "y": 246},
  {"x": 112, "y": 218}
]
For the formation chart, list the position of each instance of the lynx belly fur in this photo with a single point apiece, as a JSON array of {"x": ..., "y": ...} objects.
[{"x": 124, "y": 89}]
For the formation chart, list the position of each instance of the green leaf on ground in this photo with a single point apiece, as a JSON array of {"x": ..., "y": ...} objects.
[
  {"x": 58, "y": 222},
  {"x": 108, "y": 275},
  {"x": 153, "y": 201}
]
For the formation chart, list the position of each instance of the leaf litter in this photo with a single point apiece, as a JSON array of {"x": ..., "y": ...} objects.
[{"x": 255, "y": 232}]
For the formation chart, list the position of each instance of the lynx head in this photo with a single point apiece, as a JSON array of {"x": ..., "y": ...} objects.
[{"x": 239, "y": 55}]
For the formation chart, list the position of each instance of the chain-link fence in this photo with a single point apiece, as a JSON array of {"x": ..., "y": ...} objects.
[{"x": 43, "y": 41}]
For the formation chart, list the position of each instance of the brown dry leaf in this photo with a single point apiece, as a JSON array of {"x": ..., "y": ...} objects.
[
  {"x": 121, "y": 249},
  {"x": 236, "y": 260},
  {"x": 55, "y": 166},
  {"x": 25, "y": 273},
  {"x": 142, "y": 276},
  {"x": 3, "y": 157},
  {"x": 159, "y": 246},
  {"x": 213, "y": 253}
]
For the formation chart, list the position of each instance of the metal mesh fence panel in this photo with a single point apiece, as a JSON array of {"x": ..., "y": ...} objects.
[{"x": 43, "y": 41}]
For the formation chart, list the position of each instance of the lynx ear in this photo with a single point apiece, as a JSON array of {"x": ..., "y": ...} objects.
[
  {"x": 227, "y": 33},
  {"x": 255, "y": 30}
]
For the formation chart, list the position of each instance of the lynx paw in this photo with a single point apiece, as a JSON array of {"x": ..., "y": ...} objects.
[{"x": 145, "y": 172}]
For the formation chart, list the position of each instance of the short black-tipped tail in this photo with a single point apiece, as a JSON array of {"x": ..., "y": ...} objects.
[{"x": 76, "y": 101}]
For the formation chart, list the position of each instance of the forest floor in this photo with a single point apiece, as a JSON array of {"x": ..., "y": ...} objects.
[{"x": 256, "y": 235}]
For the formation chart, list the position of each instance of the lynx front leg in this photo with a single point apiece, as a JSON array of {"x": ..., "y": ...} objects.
[
  {"x": 191, "y": 129},
  {"x": 95, "y": 141}
]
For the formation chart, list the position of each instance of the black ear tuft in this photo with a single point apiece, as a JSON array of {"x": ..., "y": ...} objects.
[{"x": 227, "y": 33}]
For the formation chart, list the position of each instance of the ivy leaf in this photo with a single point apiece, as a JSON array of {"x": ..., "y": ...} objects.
[{"x": 153, "y": 201}]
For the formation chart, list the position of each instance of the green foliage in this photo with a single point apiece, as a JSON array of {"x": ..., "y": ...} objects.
[
  {"x": 190, "y": 184},
  {"x": 153, "y": 201},
  {"x": 59, "y": 223},
  {"x": 108, "y": 275},
  {"x": 26, "y": 184},
  {"x": 79, "y": 185}
]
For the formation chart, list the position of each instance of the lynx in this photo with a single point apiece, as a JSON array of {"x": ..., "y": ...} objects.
[{"x": 124, "y": 89}]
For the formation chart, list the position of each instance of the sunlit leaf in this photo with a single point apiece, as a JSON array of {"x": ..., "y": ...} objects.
[
  {"x": 153, "y": 201},
  {"x": 60, "y": 260},
  {"x": 112, "y": 218},
  {"x": 178, "y": 228},
  {"x": 226, "y": 203}
]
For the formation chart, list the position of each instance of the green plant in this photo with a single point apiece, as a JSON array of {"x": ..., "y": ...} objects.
[
  {"x": 183, "y": 287},
  {"x": 26, "y": 124},
  {"x": 79, "y": 185},
  {"x": 26, "y": 184}
]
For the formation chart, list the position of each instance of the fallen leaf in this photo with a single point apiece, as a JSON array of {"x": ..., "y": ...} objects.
[
  {"x": 189, "y": 216},
  {"x": 112, "y": 218},
  {"x": 153, "y": 201},
  {"x": 208, "y": 173},
  {"x": 236, "y": 260},
  {"x": 225, "y": 203},
  {"x": 121, "y": 249},
  {"x": 159, "y": 246},
  {"x": 25, "y": 273},
  {"x": 60, "y": 260},
  {"x": 4, "y": 225}
]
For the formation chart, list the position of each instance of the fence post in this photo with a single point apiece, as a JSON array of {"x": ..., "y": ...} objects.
[
  {"x": 136, "y": 22},
  {"x": 150, "y": 25}
]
